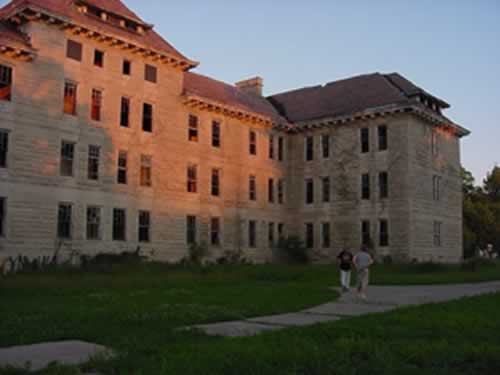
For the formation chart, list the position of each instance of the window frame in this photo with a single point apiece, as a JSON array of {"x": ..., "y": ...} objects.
[
  {"x": 271, "y": 227},
  {"x": 122, "y": 168},
  {"x": 93, "y": 162},
  {"x": 70, "y": 103},
  {"x": 325, "y": 146},
  {"x": 383, "y": 144},
  {"x": 6, "y": 82},
  {"x": 74, "y": 50},
  {"x": 125, "y": 112},
  {"x": 309, "y": 148},
  {"x": 309, "y": 235},
  {"x": 93, "y": 227},
  {"x": 191, "y": 230},
  {"x": 309, "y": 191},
  {"x": 326, "y": 237},
  {"x": 67, "y": 162},
  {"x": 96, "y": 105},
  {"x": 192, "y": 178},
  {"x": 144, "y": 226},
  {"x": 366, "y": 235},
  {"x": 147, "y": 117},
  {"x": 216, "y": 134},
  {"x": 4, "y": 148},
  {"x": 384, "y": 233},
  {"x": 365, "y": 187},
  {"x": 252, "y": 142},
  {"x": 65, "y": 221},
  {"x": 270, "y": 190},
  {"x": 193, "y": 128},
  {"x": 271, "y": 147},
  {"x": 215, "y": 183},
  {"x": 126, "y": 67},
  {"x": 281, "y": 148},
  {"x": 119, "y": 228},
  {"x": 326, "y": 189},
  {"x": 98, "y": 58},
  {"x": 365, "y": 140},
  {"x": 215, "y": 232},
  {"x": 146, "y": 171},
  {"x": 150, "y": 73},
  {"x": 252, "y": 188},
  {"x": 383, "y": 185},
  {"x": 252, "y": 234}
]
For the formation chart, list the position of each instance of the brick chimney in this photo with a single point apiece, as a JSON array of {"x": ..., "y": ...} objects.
[{"x": 251, "y": 86}]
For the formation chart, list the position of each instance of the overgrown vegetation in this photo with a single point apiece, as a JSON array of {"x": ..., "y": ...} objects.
[{"x": 292, "y": 250}]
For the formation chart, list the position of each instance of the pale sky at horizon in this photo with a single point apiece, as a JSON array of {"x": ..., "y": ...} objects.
[{"x": 450, "y": 48}]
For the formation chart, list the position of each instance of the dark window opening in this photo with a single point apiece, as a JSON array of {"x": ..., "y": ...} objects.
[
  {"x": 3, "y": 212},
  {"x": 67, "y": 157},
  {"x": 127, "y": 67},
  {"x": 365, "y": 186},
  {"x": 122, "y": 168},
  {"x": 382, "y": 138},
  {"x": 365, "y": 140},
  {"x": 144, "y": 226},
  {"x": 252, "y": 143},
  {"x": 119, "y": 224},
  {"x": 326, "y": 188},
  {"x": 64, "y": 221},
  {"x": 309, "y": 191},
  {"x": 309, "y": 148},
  {"x": 325, "y": 146},
  {"x": 281, "y": 191},
  {"x": 99, "y": 58},
  {"x": 383, "y": 185},
  {"x": 4, "y": 148},
  {"x": 384, "y": 233},
  {"x": 93, "y": 223},
  {"x": 5, "y": 83},
  {"x": 146, "y": 171},
  {"x": 216, "y": 134},
  {"x": 96, "y": 105},
  {"x": 193, "y": 128},
  {"x": 437, "y": 233},
  {"x": 281, "y": 148},
  {"x": 74, "y": 50},
  {"x": 325, "y": 235},
  {"x": 215, "y": 183},
  {"x": 309, "y": 235},
  {"x": 271, "y": 147},
  {"x": 70, "y": 98},
  {"x": 93, "y": 163},
  {"x": 215, "y": 231},
  {"x": 192, "y": 180},
  {"x": 147, "y": 118},
  {"x": 366, "y": 238},
  {"x": 252, "y": 234},
  {"x": 125, "y": 113},
  {"x": 191, "y": 230},
  {"x": 150, "y": 73},
  {"x": 252, "y": 188},
  {"x": 270, "y": 234},
  {"x": 270, "y": 190}
]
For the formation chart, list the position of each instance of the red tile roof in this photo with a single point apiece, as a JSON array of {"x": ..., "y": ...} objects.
[{"x": 115, "y": 7}]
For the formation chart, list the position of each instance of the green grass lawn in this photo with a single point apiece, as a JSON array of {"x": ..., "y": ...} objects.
[{"x": 135, "y": 310}]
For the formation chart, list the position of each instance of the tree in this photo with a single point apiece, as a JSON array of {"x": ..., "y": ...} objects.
[
  {"x": 492, "y": 184},
  {"x": 468, "y": 182}
]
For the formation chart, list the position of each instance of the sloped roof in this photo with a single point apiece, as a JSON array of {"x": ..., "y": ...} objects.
[
  {"x": 227, "y": 94},
  {"x": 67, "y": 9},
  {"x": 345, "y": 97}
]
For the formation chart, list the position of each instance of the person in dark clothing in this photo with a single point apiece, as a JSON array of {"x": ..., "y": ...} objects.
[{"x": 344, "y": 259}]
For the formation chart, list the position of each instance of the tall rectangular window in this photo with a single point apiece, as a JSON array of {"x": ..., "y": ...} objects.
[
  {"x": 122, "y": 167},
  {"x": 325, "y": 146},
  {"x": 93, "y": 162},
  {"x": 309, "y": 235},
  {"x": 193, "y": 128},
  {"x": 67, "y": 157},
  {"x": 70, "y": 89},
  {"x": 281, "y": 191},
  {"x": 150, "y": 73},
  {"x": 325, "y": 235},
  {"x": 384, "y": 233},
  {"x": 365, "y": 140},
  {"x": 365, "y": 186},
  {"x": 325, "y": 189},
  {"x": 215, "y": 231},
  {"x": 96, "y": 105},
  {"x": 281, "y": 148},
  {"x": 437, "y": 233},
  {"x": 271, "y": 147},
  {"x": 366, "y": 237},
  {"x": 192, "y": 179},
  {"x": 98, "y": 58},
  {"x": 383, "y": 185},
  {"x": 252, "y": 138},
  {"x": 146, "y": 170},
  {"x": 4, "y": 147},
  {"x": 435, "y": 143},
  {"x": 147, "y": 118},
  {"x": 3, "y": 211},
  {"x": 309, "y": 148},
  {"x": 252, "y": 188},
  {"x": 309, "y": 188},
  {"x": 64, "y": 221},
  {"x": 119, "y": 224},
  {"x": 125, "y": 112},
  {"x": 93, "y": 223},
  {"x": 215, "y": 185},
  {"x": 270, "y": 234},
  {"x": 144, "y": 226},
  {"x": 126, "y": 67},
  {"x": 281, "y": 231},
  {"x": 436, "y": 188},
  {"x": 191, "y": 231},
  {"x": 74, "y": 50},
  {"x": 382, "y": 137},
  {"x": 270, "y": 190},
  {"x": 252, "y": 234},
  {"x": 216, "y": 134},
  {"x": 5, "y": 82}
]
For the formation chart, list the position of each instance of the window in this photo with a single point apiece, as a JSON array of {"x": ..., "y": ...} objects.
[
  {"x": 215, "y": 183},
  {"x": 144, "y": 226},
  {"x": 270, "y": 234},
  {"x": 93, "y": 162},
  {"x": 309, "y": 148},
  {"x": 74, "y": 50},
  {"x": 435, "y": 143},
  {"x": 270, "y": 190},
  {"x": 216, "y": 134},
  {"x": 281, "y": 231},
  {"x": 366, "y": 237},
  {"x": 281, "y": 148},
  {"x": 384, "y": 233},
  {"x": 67, "y": 156},
  {"x": 3, "y": 211},
  {"x": 193, "y": 128},
  {"x": 4, "y": 147},
  {"x": 93, "y": 223},
  {"x": 192, "y": 186},
  {"x": 64, "y": 221},
  {"x": 252, "y": 143},
  {"x": 365, "y": 186},
  {"x": 437, "y": 233},
  {"x": 252, "y": 234},
  {"x": 436, "y": 187},
  {"x": 325, "y": 235},
  {"x": 150, "y": 73},
  {"x": 127, "y": 68},
  {"x": 382, "y": 138},
  {"x": 146, "y": 175},
  {"x": 252, "y": 188},
  {"x": 271, "y": 147},
  {"x": 383, "y": 185},
  {"x": 119, "y": 224},
  {"x": 215, "y": 231},
  {"x": 309, "y": 235},
  {"x": 147, "y": 118},
  {"x": 125, "y": 112},
  {"x": 309, "y": 191},
  {"x": 122, "y": 167},
  {"x": 70, "y": 89},
  {"x": 325, "y": 189},
  {"x": 96, "y": 105},
  {"x": 325, "y": 146},
  {"x": 191, "y": 230},
  {"x": 5, "y": 82},
  {"x": 365, "y": 140},
  {"x": 98, "y": 58},
  {"x": 281, "y": 191}
]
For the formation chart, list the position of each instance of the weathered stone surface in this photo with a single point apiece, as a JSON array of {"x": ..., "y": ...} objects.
[{"x": 295, "y": 319}]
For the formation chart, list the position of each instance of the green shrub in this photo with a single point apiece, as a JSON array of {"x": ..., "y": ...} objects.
[
  {"x": 293, "y": 250},
  {"x": 197, "y": 252}
]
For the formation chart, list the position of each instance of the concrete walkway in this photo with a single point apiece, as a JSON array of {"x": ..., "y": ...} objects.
[{"x": 380, "y": 299}]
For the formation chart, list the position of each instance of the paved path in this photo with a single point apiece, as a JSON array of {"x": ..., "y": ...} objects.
[{"x": 380, "y": 299}]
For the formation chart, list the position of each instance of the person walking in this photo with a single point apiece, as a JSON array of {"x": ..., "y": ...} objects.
[
  {"x": 363, "y": 260},
  {"x": 344, "y": 259}
]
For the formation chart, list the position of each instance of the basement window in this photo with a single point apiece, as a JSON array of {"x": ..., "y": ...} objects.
[{"x": 5, "y": 82}]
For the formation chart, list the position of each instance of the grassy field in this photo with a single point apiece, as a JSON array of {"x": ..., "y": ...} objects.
[{"x": 135, "y": 310}]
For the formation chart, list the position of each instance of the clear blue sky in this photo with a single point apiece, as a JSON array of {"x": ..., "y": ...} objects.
[{"x": 449, "y": 47}]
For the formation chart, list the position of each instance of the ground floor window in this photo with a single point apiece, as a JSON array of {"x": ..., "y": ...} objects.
[
  {"x": 191, "y": 230},
  {"x": 144, "y": 226},
  {"x": 119, "y": 224},
  {"x": 215, "y": 231},
  {"x": 64, "y": 221},
  {"x": 271, "y": 234},
  {"x": 252, "y": 234},
  {"x": 93, "y": 223},
  {"x": 325, "y": 235},
  {"x": 437, "y": 233},
  {"x": 2, "y": 215},
  {"x": 365, "y": 233},
  {"x": 384, "y": 233},
  {"x": 309, "y": 235}
]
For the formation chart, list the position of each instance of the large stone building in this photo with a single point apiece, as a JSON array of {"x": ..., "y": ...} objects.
[{"x": 108, "y": 142}]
